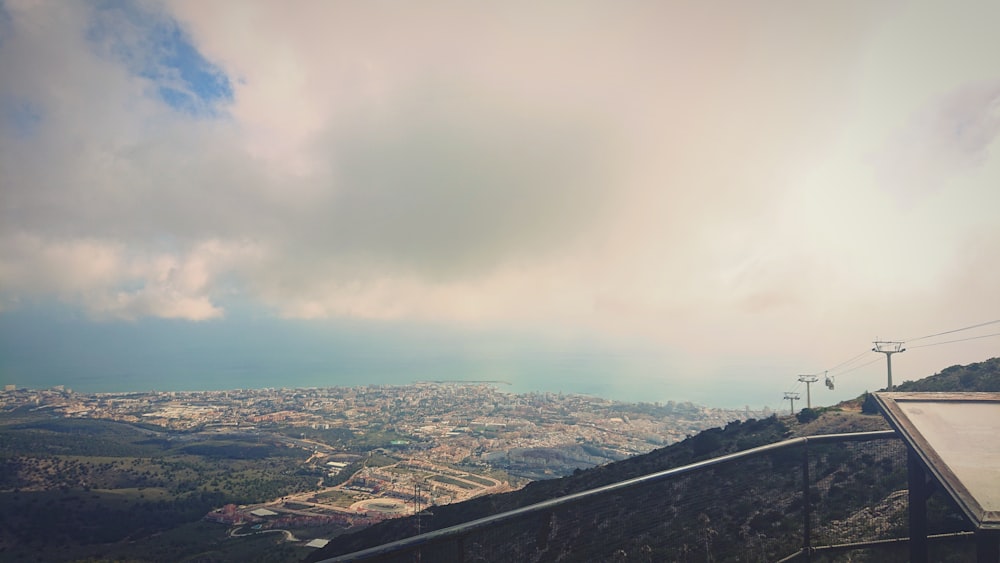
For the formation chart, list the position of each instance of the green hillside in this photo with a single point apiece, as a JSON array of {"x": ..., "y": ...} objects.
[
  {"x": 78, "y": 490},
  {"x": 982, "y": 376}
]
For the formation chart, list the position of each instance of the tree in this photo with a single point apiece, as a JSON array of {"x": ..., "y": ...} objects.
[
  {"x": 807, "y": 415},
  {"x": 869, "y": 406}
]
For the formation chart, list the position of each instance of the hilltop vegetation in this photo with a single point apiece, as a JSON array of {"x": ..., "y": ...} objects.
[{"x": 982, "y": 376}]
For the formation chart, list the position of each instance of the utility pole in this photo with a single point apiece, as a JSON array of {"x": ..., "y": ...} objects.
[
  {"x": 416, "y": 512},
  {"x": 416, "y": 504},
  {"x": 792, "y": 397},
  {"x": 888, "y": 347},
  {"x": 808, "y": 380}
]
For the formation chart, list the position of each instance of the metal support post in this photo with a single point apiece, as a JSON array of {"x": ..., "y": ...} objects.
[
  {"x": 791, "y": 398},
  {"x": 888, "y": 348},
  {"x": 808, "y": 380},
  {"x": 806, "y": 505}
]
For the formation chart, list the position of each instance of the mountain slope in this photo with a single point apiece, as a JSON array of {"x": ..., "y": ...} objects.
[{"x": 755, "y": 498}]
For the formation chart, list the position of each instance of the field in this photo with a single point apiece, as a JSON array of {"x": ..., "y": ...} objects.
[
  {"x": 78, "y": 489},
  {"x": 456, "y": 482},
  {"x": 478, "y": 480},
  {"x": 336, "y": 498}
]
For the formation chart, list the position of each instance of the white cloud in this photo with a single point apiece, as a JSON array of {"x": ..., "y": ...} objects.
[
  {"x": 109, "y": 280},
  {"x": 943, "y": 140},
  {"x": 30, "y": 264}
]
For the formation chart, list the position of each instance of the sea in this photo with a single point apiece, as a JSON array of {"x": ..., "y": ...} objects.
[{"x": 40, "y": 350}]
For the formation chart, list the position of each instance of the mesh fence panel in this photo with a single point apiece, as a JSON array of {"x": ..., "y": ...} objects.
[
  {"x": 701, "y": 517},
  {"x": 858, "y": 492}
]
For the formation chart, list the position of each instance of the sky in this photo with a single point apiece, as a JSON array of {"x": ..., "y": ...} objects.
[{"x": 644, "y": 200}]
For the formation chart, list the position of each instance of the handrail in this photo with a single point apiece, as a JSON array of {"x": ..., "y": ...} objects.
[{"x": 465, "y": 527}]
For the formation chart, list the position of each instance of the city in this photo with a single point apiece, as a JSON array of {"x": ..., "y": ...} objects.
[{"x": 380, "y": 452}]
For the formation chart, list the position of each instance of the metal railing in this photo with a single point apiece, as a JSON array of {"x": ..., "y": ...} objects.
[{"x": 803, "y": 497}]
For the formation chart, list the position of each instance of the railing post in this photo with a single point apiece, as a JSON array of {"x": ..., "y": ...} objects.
[{"x": 806, "y": 507}]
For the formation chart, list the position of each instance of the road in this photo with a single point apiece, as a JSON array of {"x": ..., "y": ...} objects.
[{"x": 289, "y": 536}]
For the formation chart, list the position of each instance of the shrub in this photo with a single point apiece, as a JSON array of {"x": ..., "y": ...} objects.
[{"x": 807, "y": 415}]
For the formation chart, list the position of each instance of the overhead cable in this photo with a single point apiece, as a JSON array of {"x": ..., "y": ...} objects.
[
  {"x": 861, "y": 366},
  {"x": 951, "y": 331},
  {"x": 959, "y": 340},
  {"x": 845, "y": 362}
]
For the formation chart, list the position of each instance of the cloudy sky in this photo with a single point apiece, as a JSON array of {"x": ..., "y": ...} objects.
[{"x": 700, "y": 200}]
